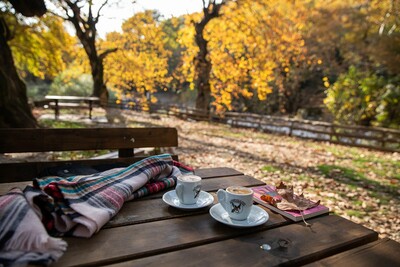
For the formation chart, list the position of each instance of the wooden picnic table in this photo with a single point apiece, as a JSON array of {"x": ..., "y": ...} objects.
[
  {"x": 72, "y": 102},
  {"x": 148, "y": 232}
]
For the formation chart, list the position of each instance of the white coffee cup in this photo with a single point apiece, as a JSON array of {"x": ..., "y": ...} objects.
[
  {"x": 188, "y": 188},
  {"x": 237, "y": 201}
]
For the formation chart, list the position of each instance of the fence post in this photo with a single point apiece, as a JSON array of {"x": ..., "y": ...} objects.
[
  {"x": 383, "y": 136},
  {"x": 291, "y": 127}
]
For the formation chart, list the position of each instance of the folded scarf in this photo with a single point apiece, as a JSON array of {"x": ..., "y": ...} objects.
[{"x": 80, "y": 205}]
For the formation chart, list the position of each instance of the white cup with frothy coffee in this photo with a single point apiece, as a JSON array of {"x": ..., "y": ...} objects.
[
  {"x": 237, "y": 201},
  {"x": 188, "y": 188}
]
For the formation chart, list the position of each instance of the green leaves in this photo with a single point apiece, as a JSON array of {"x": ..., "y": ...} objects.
[{"x": 364, "y": 98}]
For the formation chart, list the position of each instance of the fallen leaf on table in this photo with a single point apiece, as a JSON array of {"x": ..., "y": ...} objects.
[{"x": 291, "y": 201}]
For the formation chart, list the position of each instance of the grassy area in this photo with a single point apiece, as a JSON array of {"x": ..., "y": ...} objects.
[
  {"x": 270, "y": 168},
  {"x": 49, "y": 123},
  {"x": 74, "y": 155}
]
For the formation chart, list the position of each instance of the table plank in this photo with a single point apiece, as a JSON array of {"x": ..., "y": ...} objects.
[
  {"x": 141, "y": 240},
  {"x": 5, "y": 187},
  {"x": 216, "y": 172},
  {"x": 292, "y": 245},
  {"x": 384, "y": 252},
  {"x": 135, "y": 212}
]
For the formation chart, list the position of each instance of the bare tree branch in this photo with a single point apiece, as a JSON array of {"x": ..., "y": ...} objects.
[
  {"x": 96, "y": 19},
  {"x": 108, "y": 51},
  {"x": 59, "y": 15}
]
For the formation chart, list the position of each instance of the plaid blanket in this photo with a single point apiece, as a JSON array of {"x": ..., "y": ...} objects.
[
  {"x": 23, "y": 238},
  {"x": 81, "y": 205}
]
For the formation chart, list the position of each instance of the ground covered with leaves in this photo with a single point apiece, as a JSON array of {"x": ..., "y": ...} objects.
[{"x": 359, "y": 184}]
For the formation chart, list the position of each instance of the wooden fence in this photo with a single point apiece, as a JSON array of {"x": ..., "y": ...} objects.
[
  {"x": 182, "y": 112},
  {"x": 358, "y": 136}
]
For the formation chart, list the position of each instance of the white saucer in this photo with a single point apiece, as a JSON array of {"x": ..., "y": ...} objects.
[
  {"x": 205, "y": 199},
  {"x": 256, "y": 217}
]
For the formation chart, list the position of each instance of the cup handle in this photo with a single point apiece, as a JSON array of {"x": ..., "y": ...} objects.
[
  {"x": 179, "y": 191},
  {"x": 221, "y": 195}
]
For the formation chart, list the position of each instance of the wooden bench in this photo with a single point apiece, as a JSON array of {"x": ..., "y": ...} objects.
[
  {"x": 125, "y": 140},
  {"x": 72, "y": 102}
]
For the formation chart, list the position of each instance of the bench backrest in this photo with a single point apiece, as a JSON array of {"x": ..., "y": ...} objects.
[{"x": 125, "y": 140}]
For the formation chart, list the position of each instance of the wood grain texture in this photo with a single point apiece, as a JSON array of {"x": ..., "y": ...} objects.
[
  {"x": 216, "y": 172},
  {"x": 5, "y": 187},
  {"x": 141, "y": 240},
  {"x": 291, "y": 245},
  {"x": 42, "y": 140},
  {"x": 384, "y": 252}
]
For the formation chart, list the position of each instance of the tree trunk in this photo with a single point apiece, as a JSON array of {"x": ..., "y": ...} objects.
[
  {"x": 202, "y": 64},
  {"x": 202, "y": 71},
  {"x": 99, "y": 88},
  {"x": 85, "y": 26},
  {"x": 14, "y": 108}
]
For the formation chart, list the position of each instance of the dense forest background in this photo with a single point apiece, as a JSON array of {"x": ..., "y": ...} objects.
[{"x": 337, "y": 60}]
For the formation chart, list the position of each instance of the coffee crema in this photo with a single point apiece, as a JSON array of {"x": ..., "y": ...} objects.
[
  {"x": 237, "y": 190},
  {"x": 189, "y": 178}
]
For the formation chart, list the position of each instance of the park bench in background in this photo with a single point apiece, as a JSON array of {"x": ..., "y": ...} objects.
[
  {"x": 71, "y": 102},
  {"x": 125, "y": 140}
]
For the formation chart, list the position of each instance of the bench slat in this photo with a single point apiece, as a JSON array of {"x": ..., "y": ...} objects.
[
  {"x": 43, "y": 140},
  {"x": 69, "y": 105}
]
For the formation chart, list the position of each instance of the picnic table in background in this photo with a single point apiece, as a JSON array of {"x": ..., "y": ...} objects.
[{"x": 82, "y": 102}]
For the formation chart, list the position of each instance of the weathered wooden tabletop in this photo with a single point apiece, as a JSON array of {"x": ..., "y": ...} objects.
[{"x": 148, "y": 232}]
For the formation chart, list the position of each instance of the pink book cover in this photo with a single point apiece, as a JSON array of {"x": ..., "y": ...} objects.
[{"x": 293, "y": 215}]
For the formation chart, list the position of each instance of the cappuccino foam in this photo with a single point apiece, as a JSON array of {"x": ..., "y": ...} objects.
[
  {"x": 189, "y": 178},
  {"x": 237, "y": 190}
]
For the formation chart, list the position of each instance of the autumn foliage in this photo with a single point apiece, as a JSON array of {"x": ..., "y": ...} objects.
[{"x": 268, "y": 57}]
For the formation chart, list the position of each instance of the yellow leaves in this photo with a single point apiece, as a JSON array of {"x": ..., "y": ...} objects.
[
  {"x": 247, "y": 93},
  {"x": 153, "y": 99},
  {"x": 42, "y": 48},
  {"x": 141, "y": 63},
  {"x": 326, "y": 82}
]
